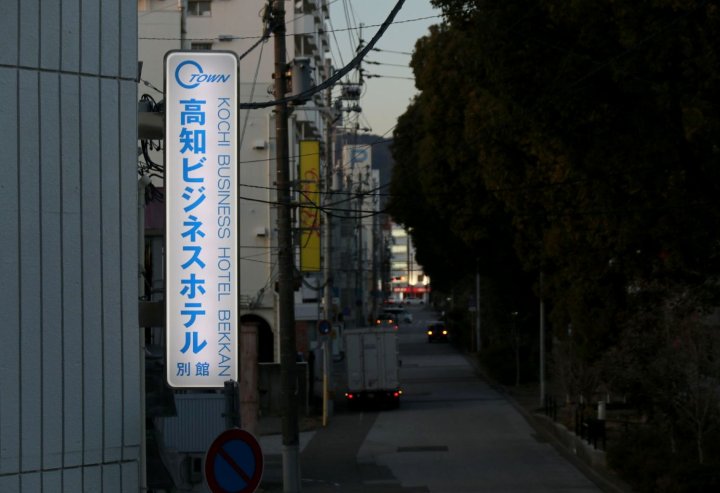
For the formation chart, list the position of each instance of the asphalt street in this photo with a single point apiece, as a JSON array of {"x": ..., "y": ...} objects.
[{"x": 452, "y": 433}]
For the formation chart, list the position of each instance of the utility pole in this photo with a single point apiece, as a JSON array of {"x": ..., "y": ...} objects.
[
  {"x": 375, "y": 252},
  {"x": 360, "y": 284},
  {"x": 288, "y": 349},
  {"x": 409, "y": 268},
  {"x": 329, "y": 153},
  {"x": 478, "y": 316},
  {"x": 327, "y": 265},
  {"x": 542, "y": 342},
  {"x": 183, "y": 6}
]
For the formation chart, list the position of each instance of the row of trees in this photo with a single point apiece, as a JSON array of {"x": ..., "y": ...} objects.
[{"x": 580, "y": 140}]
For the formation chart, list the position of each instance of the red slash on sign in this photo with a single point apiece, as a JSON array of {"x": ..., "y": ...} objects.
[{"x": 234, "y": 463}]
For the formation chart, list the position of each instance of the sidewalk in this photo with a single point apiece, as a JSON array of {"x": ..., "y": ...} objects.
[
  {"x": 270, "y": 438},
  {"x": 324, "y": 455},
  {"x": 526, "y": 399}
]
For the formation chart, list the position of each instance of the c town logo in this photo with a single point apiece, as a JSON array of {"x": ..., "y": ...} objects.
[{"x": 189, "y": 75}]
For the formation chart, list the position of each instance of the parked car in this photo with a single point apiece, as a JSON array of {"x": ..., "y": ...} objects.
[
  {"x": 405, "y": 316},
  {"x": 437, "y": 331},
  {"x": 399, "y": 313}
]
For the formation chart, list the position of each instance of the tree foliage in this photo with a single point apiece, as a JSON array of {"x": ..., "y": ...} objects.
[
  {"x": 580, "y": 139},
  {"x": 584, "y": 134}
]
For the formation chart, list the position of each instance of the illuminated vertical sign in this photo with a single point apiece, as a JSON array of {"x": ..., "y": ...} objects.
[
  {"x": 201, "y": 217},
  {"x": 309, "y": 202}
]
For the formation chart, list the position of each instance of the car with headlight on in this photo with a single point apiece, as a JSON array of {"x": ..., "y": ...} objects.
[{"x": 437, "y": 331}]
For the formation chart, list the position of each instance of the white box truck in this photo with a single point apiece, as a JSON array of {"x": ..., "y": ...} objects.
[{"x": 372, "y": 357}]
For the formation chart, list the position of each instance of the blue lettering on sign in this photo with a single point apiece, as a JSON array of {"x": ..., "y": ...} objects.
[
  {"x": 358, "y": 155},
  {"x": 189, "y": 74},
  {"x": 192, "y": 340}
]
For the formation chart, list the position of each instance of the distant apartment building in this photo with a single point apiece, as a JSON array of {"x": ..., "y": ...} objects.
[
  {"x": 408, "y": 282},
  {"x": 358, "y": 265},
  {"x": 241, "y": 26}
]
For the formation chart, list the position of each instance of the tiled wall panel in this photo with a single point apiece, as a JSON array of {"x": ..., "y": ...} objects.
[{"x": 70, "y": 403}]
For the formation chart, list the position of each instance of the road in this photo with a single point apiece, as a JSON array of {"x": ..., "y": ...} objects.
[{"x": 452, "y": 434}]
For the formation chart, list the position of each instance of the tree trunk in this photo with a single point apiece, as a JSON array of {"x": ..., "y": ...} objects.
[
  {"x": 517, "y": 362},
  {"x": 701, "y": 453}
]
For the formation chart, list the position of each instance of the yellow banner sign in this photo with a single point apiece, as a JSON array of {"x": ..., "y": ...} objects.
[{"x": 309, "y": 206}]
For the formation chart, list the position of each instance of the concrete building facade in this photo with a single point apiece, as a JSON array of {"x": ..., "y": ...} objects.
[
  {"x": 71, "y": 391},
  {"x": 408, "y": 282}
]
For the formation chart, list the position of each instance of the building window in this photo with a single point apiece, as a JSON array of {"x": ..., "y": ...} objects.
[
  {"x": 201, "y": 45},
  {"x": 199, "y": 7}
]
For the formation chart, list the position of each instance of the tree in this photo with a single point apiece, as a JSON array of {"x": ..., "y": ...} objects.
[
  {"x": 582, "y": 132},
  {"x": 668, "y": 361},
  {"x": 580, "y": 139},
  {"x": 438, "y": 192},
  {"x": 438, "y": 249}
]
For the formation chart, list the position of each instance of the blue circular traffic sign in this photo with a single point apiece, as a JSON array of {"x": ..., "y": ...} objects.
[
  {"x": 324, "y": 327},
  {"x": 234, "y": 463}
]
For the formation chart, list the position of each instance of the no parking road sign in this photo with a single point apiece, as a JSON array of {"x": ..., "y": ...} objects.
[{"x": 234, "y": 463}]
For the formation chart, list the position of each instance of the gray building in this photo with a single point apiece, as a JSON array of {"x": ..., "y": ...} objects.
[
  {"x": 70, "y": 375},
  {"x": 238, "y": 26}
]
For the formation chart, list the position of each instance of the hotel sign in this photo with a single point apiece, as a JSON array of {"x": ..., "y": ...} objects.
[{"x": 201, "y": 217}]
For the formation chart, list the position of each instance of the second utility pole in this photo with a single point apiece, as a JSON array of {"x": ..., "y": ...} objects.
[{"x": 286, "y": 290}]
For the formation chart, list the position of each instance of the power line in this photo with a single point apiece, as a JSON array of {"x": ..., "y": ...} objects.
[
  {"x": 148, "y": 84},
  {"x": 311, "y": 33},
  {"x": 372, "y": 62},
  {"x": 351, "y": 30},
  {"x": 396, "y": 52},
  {"x": 297, "y": 156},
  {"x": 380, "y": 76},
  {"x": 333, "y": 32},
  {"x": 254, "y": 83},
  {"x": 333, "y": 211},
  {"x": 339, "y": 74}
]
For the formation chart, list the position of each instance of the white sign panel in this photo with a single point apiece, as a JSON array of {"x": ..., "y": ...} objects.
[
  {"x": 201, "y": 211},
  {"x": 358, "y": 157}
]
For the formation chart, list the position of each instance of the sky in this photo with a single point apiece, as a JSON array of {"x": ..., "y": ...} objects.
[{"x": 384, "y": 98}]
